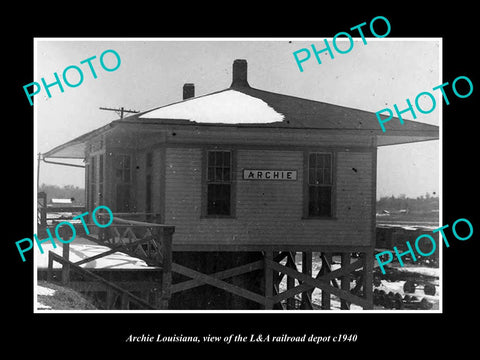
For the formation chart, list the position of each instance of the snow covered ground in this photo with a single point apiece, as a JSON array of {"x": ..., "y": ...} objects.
[
  {"x": 55, "y": 297},
  {"x": 418, "y": 274}
]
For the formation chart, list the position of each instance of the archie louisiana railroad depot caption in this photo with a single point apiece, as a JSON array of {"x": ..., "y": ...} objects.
[{"x": 243, "y": 339}]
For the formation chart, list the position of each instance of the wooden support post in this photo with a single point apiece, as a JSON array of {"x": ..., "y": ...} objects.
[
  {"x": 66, "y": 266},
  {"x": 319, "y": 282},
  {"x": 50, "y": 268},
  {"x": 167, "y": 266},
  {"x": 345, "y": 281},
  {"x": 368, "y": 278},
  {"x": 326, "y": 259},
  {"x": 125, "y": 302},
  {"x": 110, "y": 299},
  {"x": 291, "y": 280},
  {"x": 307, "y": 269},
  {"x": 277, "y": 279},
  {"x": 268, "y": 273}
]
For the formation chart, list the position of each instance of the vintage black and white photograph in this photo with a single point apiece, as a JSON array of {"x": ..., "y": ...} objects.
[{"x": 239, "y": 174}]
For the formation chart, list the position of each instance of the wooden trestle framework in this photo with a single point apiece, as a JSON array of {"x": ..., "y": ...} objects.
[
  {"x": 151, "y": 242},
  {"x": 300, "y": 283}
]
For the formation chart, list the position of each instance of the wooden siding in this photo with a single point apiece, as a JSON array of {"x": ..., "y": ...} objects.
[
  {"x": 199, "y": 136},
  {"x": 139, "y": 181},
  {"x": 269, "y": 212},
  {"x": 183, "y": 189}
]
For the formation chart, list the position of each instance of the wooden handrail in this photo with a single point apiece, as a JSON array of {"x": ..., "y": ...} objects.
[
  {"x": 106, "y": 283},
  {"x": 71, "y": 209},
  {"x": 120, "y": 214},
  {"x": 159, "y": 235},
  {"x": 124, "y": 248},
  {"x": 140, "y": 223}
]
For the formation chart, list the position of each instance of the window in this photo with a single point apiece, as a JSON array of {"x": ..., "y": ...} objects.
[
  {"x": 320, "y": 181},
  {"x": 219, "y": 182},
  {"x": 122, "y": 168}
]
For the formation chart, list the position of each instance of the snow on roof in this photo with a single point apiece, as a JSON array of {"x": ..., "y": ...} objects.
[{"x": 225, "y": 107}]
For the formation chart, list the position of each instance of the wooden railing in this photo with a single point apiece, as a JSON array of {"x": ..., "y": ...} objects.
[
  {"x": 150, "y": 242},
  {"x": 68, "y": 267},
  {"x": 154, "y": 240},
  {"x": 43, "y": 210}
]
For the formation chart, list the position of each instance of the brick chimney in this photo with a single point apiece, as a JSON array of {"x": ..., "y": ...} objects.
[
  {"x": 188, "y": 91},
  {"x": 239, "y": 73}
]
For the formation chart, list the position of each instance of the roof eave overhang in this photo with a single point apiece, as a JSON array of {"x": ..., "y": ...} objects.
[
  {"x": 397, "y": 139},
  {"x": 75, "y": 149}
]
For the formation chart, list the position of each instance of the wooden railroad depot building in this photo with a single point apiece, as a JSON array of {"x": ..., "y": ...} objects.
[{"x": 249, "y": 179}]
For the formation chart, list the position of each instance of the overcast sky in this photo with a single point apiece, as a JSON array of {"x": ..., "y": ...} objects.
[{"x": 152, "y": 73}]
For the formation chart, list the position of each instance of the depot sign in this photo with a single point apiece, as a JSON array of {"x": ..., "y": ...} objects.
[{"x": 269, "y": 174}]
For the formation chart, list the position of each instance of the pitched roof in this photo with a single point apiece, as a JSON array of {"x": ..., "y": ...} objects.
[{"x": 241, "y": 105}]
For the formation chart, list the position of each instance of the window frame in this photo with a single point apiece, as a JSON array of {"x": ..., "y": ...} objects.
[
  {"x": 120, "y": 182},
  {"x": 123, "y": 169},
  {"x": 306, "y": 185},
  {"x": 206, "y": 182}
]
